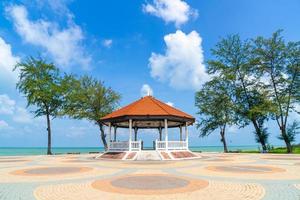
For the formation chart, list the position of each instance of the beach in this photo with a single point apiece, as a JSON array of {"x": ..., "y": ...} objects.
[{"x": 210, "y": 176}]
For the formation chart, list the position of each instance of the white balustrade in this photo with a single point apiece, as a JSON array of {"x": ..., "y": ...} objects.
[
  {"x": 172, "y": 145},
  {"x": 119, "y": 146},
  {"x": 136, "y": 145},
  {"x": 124, "y": 146},
  {"x": 177, "y": 145},
  {"x": 160, "y": 145}
]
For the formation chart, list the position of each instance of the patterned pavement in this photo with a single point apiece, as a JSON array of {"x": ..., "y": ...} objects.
[{"x": 212, "y": 176}]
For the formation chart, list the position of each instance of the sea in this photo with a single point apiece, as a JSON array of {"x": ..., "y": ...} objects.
[{"x": 17, "y": 151}]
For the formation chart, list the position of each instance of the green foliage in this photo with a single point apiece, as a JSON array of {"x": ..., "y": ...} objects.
[
  {"x": 292, "y": 130},
  {"x": 88, "y": 98},
  {"x": 39, "y": 81},
  {"x": 279, "y": 63},
  {"x": 233, "y": 65},
  {"x": 215, "y": 107}
]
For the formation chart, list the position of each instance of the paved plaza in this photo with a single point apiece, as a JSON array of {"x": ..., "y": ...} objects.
[{"x": 211, "y": 176}]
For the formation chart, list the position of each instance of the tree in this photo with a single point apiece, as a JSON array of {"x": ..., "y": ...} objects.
[
  {"x": 40, "y": 82},
  {"x": 215, "y": 108},
  {"x": 88, "y": 98},
  {"x": 279, "y": 63},
  {"x": 233, "y": 63}
]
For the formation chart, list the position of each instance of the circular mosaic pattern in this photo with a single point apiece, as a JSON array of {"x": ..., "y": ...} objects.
[
  {"x": 51, "y": 171},
  {"x": 149, "y": 184},
  {"x": 245, "y": 169}
]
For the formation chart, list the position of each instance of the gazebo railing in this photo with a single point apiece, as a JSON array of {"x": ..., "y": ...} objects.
[
  {"x": 124, "y": 146},
  {"x": 172, "y": 145},
  {"x": 160, "y": 145},
  {"x": 119, "y": 146},
  {"x": 136, "y": 145},
  {"x": 177, "y": 145}
]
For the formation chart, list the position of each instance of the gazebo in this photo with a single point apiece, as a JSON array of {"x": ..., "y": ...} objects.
[{"x": 147, "y": 113}]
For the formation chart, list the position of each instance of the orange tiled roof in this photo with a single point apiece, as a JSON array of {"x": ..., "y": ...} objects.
[{"x": 147, "y": 106}]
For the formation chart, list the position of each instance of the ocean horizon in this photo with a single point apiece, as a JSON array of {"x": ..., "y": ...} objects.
[{"x": 21, "y": 151}]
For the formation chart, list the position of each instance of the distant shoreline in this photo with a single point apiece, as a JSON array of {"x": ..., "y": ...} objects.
[{"x": 19, "y": 151}]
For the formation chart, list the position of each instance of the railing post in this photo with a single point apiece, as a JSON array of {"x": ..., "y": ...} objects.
[
  {"x": 186, "y": 136},
  {"x": 109, "y": 136},
  {"x": 166, "y": 134},
  {"x": 130, "y": 133},
  {"x": 140, "y": 145}
]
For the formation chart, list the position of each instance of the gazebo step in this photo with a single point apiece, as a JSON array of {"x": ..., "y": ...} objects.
[{"x": 148, "y": 155}]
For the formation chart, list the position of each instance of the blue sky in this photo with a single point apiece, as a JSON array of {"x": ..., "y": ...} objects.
[{"x": 127, "y": 44}]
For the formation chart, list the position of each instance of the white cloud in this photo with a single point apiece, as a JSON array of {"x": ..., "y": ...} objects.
[
  {"x": 170, "y": 104},
  {"x": 3, "y": 125},
  {"x": 176, "y": 11},
  {"x": 7, "y": 61},
  {"x": 146, "y": 90},
  {"x": 183, "y": 63},
  {"x": 107, "y": 43},
  {"x": 7, "y": 105},
  {"x": 19, "y": 114},
  {"x": 22, "y": 116},
  {"x": 63, "y": 44}
]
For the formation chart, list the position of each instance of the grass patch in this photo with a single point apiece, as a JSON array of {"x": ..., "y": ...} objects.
[{"x": 279, "y": 150}]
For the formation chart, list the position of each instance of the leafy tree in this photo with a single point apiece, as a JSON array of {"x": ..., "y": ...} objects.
[
  {"x": 279, "y": 63},
  {"x": 88, "y": 98},
  {"x": 233, "y": 63},
  {"x": 215, "y": 108},
  {"x": 40, "y": 82}
]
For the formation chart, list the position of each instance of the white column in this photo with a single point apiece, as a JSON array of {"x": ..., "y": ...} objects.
[
  {"x": 166, "y": 134},
  {"x": 130, "y": 133},
  {"x": 186, "y": 135},
  {"x": 109, "y": 135},
  {"x": 180, "y": 127}
]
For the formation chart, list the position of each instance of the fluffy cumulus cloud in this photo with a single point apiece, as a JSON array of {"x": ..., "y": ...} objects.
[
  {"x": 175, "y": 11},
  {"x": 63, "y": 44},
  {"x": 7, "y": 61},
  {"x": 7, "y": 105},
  {"x": 146, "y": 90},
  {"x": 182, "y": 65}
]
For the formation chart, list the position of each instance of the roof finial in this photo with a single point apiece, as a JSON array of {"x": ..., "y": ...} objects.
[{"x": 146, "y": 90}]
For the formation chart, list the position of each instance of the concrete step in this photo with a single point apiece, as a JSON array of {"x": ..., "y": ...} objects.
[{"x": 148, "y": 155}]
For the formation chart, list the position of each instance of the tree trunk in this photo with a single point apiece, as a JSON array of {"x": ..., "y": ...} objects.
[
  {"x": 49, "y": 135},
  {"x": 223, "y": 140},
  {"x": 286, "y": 140},
  {"x": 103, "y": 136},
  {"x": 259, "y": 132}
]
